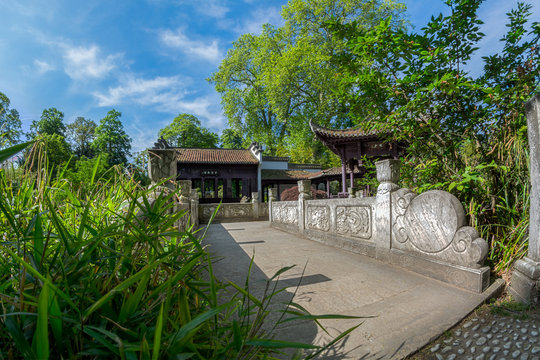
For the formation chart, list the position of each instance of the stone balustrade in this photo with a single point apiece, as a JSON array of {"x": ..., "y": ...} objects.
[
  {"x": 424, "y": 233},
  {"x": 233, "y": 212}
]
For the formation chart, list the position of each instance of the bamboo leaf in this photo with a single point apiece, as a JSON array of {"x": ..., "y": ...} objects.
[
  {"x": 280, "y": 344},
  {"x": 247, "y": 294},
  {"x": 13, "y": 150},
  {"x": 41, "y": 336},
  {"x": 187, "y": 331},
  {"x": 18, "y": 337},
  {"x": 123, "y": 285},
  {"x": 157, "y": 334},
  {"x": 132, "y": 302}
]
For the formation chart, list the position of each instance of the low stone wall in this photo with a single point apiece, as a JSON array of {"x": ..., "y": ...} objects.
[
  {"x": 424, "y": 233},
  {"x": 233, "y": 212}
]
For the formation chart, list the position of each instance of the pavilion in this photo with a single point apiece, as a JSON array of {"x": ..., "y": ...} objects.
[{"x": 351, "y": 145}]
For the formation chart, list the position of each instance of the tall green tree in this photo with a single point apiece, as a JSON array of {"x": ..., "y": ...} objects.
[
  {"x": 273, "y": 83},
  {"x": 10, "y": 123},
  {"x": 232, "y": 139},
  {"x": 465, "y": 134},
  {"x": 80, "y": 135},
  {"x": 51, "y": 122},
  {"x": 186, "y": 131},
  {"x": 111, "y": 139}
]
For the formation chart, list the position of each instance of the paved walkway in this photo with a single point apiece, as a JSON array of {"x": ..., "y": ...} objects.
[{"x": 406, "y": 310}]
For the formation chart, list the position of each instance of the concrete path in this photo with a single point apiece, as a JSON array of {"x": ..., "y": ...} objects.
[{"x": 405, "y": 310}]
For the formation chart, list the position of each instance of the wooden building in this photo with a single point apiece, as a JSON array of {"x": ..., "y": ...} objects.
[
  {"x": 229, "y": 175},
  {"x": 351, "y": 145}
]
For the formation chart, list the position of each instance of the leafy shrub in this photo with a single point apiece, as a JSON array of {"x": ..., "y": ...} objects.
[
  {"x": 102, "y": 271},
  {"x": 292, "y": 194}
]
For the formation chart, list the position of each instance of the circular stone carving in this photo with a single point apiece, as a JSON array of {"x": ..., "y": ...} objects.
[{"x": 432, "y": 219}]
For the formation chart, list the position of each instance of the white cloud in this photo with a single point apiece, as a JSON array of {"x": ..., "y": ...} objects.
[
  {"x": 161, "y": 90},
  {"x": 207, "y": 51},
  {"x": 87, "y": 62},
  {"x": 165, "y": 94},
  {"x": 207, "y": 108},
  {"x": 212, "y": 8},
  {"x": 42, "y": 67},
  {"x": 253, "y": 24},
  {"x": 142, "y": 138}
]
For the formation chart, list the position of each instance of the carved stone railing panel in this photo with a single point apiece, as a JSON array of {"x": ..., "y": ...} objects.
[
  {"x": 227, "y": 212},
  {"x": 424, "y": 233},
  {"x": 318, "y": 217},
  {"x": 207, "y": 210},
  {"x": 354, "y": 221},
  {"x": 238, "y": 210},
  {"x": 285, "y": 212},
  {"x": 432, "y": 224}
]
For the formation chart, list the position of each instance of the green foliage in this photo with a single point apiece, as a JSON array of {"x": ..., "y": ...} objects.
[
  {"x": 186, "y": 131},
  {"x": 111, "y": 139},
  {"x": 10, "y": 123},
  {"x": 138, "y": 170},
  {"x": 80, "y": 135},
  {"x": 102, "y": 271},
  {"x": 464, "y": 134},
  {"x": 84, "y": 168},
  {"x": 53, "y": 149},
  {"x": 232, "y": 139},
  {"x": 50, "y": 123},
  {"x": 273, "y": 83}
]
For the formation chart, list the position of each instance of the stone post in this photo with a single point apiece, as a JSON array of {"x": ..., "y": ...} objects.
[
  {"x": 161, "y": 166},
  {"x": 194, "y": 212},
  {"x": 255, "y": 204},
  {"x": 351, "y": 193},
  {"x": 272, "y": 196},
  {"x": 304, "y": 193},
  {"x": 525, "y": 283},
  {"x": 185, "y": 190},
  {"x": 388, "y": 176},
  {"x": 184, "y": 203}
]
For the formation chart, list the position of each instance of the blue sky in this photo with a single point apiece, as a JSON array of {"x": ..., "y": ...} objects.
[{"x": 147, "y": 59}]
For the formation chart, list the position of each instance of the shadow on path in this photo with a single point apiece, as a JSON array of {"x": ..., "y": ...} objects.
[
  {"x": 231, "y": 263},
  {"x": 403, "y": 310}
]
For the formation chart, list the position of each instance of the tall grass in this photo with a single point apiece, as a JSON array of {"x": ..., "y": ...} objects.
[{"x": 100, "y": 270}]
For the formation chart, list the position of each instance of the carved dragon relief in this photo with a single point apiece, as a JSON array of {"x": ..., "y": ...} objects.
[
  {"x": 318, "y": 217},
  {"x": 354, "y": 221},
  {"x": 433, "y": 224}
]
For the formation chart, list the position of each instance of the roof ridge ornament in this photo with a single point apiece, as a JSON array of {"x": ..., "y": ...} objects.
[{"x": 161, "y": 144}]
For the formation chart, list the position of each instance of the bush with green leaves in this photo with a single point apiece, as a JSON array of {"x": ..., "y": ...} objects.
[
  {"x": 101, "y": 271},
  {"x": 464, "y": 133}
]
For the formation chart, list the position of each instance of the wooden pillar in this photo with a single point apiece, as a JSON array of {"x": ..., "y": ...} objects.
[
  {"x": 202, "y": 188},
  {"x": 328, "y": 188},
  {"x": 343, "y": 177},
  {"x": 245, "y": 189},
  {"x": 227, "y": 190},
  {"x": 216, "y": 185}
]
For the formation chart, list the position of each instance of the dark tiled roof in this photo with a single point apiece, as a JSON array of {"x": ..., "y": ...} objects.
[
  {"x": 285, "y": 175},
  {"x": 275, "y": 158},
  {"x": 215, "y": 156},
  {"x": 352, "y": 133},
  {"x": 331, "y": 172}
]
